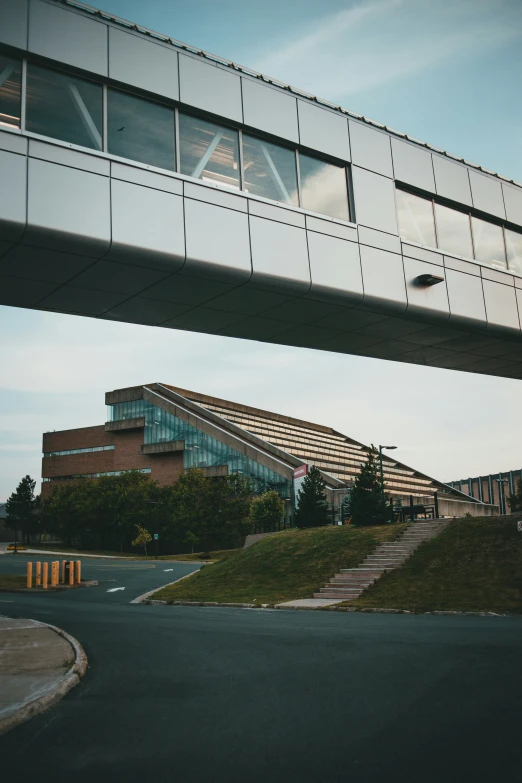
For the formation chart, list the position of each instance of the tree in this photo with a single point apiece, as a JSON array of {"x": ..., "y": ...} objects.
[
  {"x": 515, "y": 500},
  {"x": 143, "y": 538},
  {"x": 230, "y": 499},
  {"x": 312, "y": 508},
  {"x": 21, "y": 508},
  {"x": 267, "y": 511},
  {"x": 367, "y": 504}
]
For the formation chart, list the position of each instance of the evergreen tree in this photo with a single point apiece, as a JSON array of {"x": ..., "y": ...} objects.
[
  {"x": 21, "y": 507},
  {"x": 367, "y": 504},
  {"x": 312, "y": 508}
]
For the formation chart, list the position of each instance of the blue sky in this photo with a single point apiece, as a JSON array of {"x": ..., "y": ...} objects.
[{"x": 444, "y": 72}]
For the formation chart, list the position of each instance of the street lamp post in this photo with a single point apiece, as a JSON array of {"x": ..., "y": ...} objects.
[{"x": 382, "y": 470}]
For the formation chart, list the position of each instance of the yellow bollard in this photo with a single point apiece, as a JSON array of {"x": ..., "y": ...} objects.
[
  {"x": 29, "y": 575},
  {"x": 55, "y": 573},
  {"x": 71, "y": 572},
  {"x": 63, "y": 571},
  {"x": 45, "y": 575},
  {"x": 78, "y": 571},
  {"x": 38, "y": 580}
]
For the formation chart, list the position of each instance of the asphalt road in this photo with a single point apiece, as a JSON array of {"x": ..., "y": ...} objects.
[{"x": 248, "y": 696}]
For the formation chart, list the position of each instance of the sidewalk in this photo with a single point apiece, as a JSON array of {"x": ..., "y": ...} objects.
[{"x": 39, "y": 664}]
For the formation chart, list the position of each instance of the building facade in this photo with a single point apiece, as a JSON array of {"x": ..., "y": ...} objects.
[
  {"x": 162, "y": 430},
  {"x": 153, "y": 183},
  {"x": 494, "y": 488}
]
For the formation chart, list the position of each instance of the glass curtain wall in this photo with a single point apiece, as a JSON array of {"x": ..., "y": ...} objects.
[
  {"x": 64, "y": 107},
  {"x": 201, "y": 450},
  {"x": 323, "y": 187},
  {"x": 10, "y": 92},
  {"x": 208, "y": 151},
  {"x": 425, "y": 222},
  {"x": 140, "y": 130},
  {"x": 269, "y": 170}
]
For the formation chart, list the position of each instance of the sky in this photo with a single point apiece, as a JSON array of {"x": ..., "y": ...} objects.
[{"x": 443, "y": 71}]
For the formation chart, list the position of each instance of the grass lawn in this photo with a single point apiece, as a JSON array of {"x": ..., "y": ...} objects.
[
  {"x": 475, "y": 564},
  {"x": 191, "y": 557},
  {"x": 283, "y": 566},
  {"x": 12, "y": 581}
]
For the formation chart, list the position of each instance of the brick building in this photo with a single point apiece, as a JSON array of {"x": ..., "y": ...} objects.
[{"x": 162, "y": 430}]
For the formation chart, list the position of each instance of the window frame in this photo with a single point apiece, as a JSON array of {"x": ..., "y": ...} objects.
[{"x": 504, "y": 225}]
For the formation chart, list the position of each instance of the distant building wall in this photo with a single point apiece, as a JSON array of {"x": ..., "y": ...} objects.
[{"x": 493, "y": 488}]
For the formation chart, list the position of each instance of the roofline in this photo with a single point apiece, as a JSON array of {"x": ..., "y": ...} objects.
[{"x": 105, "y": 15}]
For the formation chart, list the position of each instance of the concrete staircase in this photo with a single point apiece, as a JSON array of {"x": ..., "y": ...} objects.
[{"x": 351, "y": 582}]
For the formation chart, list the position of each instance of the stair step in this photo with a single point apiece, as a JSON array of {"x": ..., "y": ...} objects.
[{"x": 336, "y": 597}]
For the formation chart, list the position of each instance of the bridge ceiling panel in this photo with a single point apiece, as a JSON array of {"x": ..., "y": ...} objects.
[
  {"x": 221, "y": 249},
  {"x": 81, "y": 301},
  {"x": 383, "y": 279},
  {"x": 13, "y": 196},
  {"x": 210, "y": 88},
  {"x": 18, "y": 292},
  {"x": 487, "y": 194},
  {"x": 142, "y": 63},
  {"x": 323, "y": 130},
  {"x": 147, "y": 227},
  {"x": 270, "y": 110},
  {"x": 374, "y": 200},
  {"x": 119, "y": 278},
  {"x": 370, "y": 149},
  {"x": 279, "y": 256},
  {"x": 452, "y": 180},
  {"x": 431, "y": 301},
  {"x": 413, "y": 165},
  {"x": 49, "y": 266},
  {"x": 140, "y": 310},
  {"x": 13, "y": 23},
  {"x": 335, "y": 269},
  {"x": 188, "y": 290},
  {"x": 73, "y": 215},
  {"x": 62, "y": 34}
]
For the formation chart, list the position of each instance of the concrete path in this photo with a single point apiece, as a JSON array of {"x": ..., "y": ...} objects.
[
  {"x": 308, "y": 603},
  {"x": 39, "y": 664}
]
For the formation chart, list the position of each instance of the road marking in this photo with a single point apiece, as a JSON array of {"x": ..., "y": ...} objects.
[
  {"x": 114, "y": 589},
  {"x": 168, "y": 569}
]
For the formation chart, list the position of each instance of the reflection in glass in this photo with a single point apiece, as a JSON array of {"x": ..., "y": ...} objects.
[
  {"x": 323, "y": 187},
  {"x": 10, "y": 81},
  {"x": 453, "y": 231},
  {"x": 208, "y": 151},
  {"x": 514, "y": 251},
  {"x": 488, "y": 242},
  {"x": 140, "y": 130},
  {"x": 416, "y": 222},
  {"x": 269, "y": 170},
  {"x": 64, "y": 107}
]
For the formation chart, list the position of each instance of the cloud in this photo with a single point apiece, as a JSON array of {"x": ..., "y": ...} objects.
[{"x": 373, "y": 44}]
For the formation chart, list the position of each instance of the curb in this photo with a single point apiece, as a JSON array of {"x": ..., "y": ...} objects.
[
  {"x": 55, "y": 589},
  {"x": 42, "y": 703},
  {"x": 409, "y": 611},
  {"x": 143, "y": 599}
]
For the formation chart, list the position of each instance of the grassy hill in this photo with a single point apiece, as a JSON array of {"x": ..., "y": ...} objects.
[
  {"x": 475, "y": 564},
  {"x": 287, "y": 565}
]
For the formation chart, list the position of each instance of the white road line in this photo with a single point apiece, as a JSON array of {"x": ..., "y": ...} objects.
[
  {"x": 114, "y": 589},
  {"x": 168, "y": 569}
]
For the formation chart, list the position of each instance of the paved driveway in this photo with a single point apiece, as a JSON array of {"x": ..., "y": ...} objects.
[{"x": 247, "y": 696}]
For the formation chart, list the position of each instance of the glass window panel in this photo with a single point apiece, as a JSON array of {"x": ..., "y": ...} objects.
[
  {"x": 453, "y": 231},
  {"x": 416, "y": 221},
  {"x": 323, "y": 187},
  {"x": 10, "y": 91},
  {"x": 64, "y": 107},
  {"x": 488, "y": 242},
  {"x": 208, "y": 151},
  {"x": 514, "y": 251},
  {"x": 140, "y": 130},
  {"x": 269, "y": 170}
]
